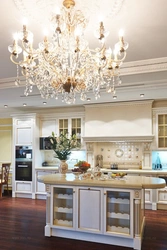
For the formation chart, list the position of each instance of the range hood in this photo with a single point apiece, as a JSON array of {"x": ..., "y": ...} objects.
[{"x": 147, "y": 138}]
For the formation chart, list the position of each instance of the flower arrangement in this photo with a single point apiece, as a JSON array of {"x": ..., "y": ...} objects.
[{"x": 63, "y": 144}]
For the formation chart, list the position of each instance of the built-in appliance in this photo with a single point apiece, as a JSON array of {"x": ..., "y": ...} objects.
[
  {"x": 45, "y": 143},
  {"x": 23, "y": 163}
]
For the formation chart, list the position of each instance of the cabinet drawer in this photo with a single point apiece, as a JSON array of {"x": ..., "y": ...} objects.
[{"x": 23, "y": 186}]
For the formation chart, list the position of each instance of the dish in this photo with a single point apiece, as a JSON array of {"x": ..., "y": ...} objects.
[
  {"x": 76, "y": 174},
  {"x": 119, "y": 152}
]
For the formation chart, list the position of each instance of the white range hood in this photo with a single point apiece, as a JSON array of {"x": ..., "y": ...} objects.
[{"x": 147, "y": 138}]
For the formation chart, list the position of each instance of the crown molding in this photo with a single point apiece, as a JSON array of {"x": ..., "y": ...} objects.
[
  {"x": 144, "y": 66},
  {"x": 130, "y": 103},
  {"x": 128, "y": 68}
]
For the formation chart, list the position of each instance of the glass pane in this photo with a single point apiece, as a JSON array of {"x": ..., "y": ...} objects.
[
  {"x": 65, "y": 123},
  {"x": 165, "y": 143},
  {"x": 160, "y": 119},
  {"x": 165, "y": 119},
  {"x": 161, "y": 131},
  {"x": 61, "y": 123},
  {"x": 79, "y": 123},
  {"x": 73, "y": 123},
  {"x": 161, "y": 142},
  {"x": 63, "y": 207},
  {"x": 118, "y": 212}
]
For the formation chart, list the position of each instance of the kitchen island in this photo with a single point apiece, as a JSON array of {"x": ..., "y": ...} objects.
[{"x": 103, "y": 210}]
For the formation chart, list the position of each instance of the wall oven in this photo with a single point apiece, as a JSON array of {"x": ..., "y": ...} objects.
[
  {"x": 24, "y": 171},
  {"x": 23, "y": 163}
]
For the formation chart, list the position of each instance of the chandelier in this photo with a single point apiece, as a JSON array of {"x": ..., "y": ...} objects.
[{"x": 66, "y": 66}]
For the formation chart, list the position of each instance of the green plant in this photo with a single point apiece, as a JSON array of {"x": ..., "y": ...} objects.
[{"x": 63, "y": 144}]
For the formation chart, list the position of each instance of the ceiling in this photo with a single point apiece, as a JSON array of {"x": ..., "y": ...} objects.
[{"x": 145, "y": 67}]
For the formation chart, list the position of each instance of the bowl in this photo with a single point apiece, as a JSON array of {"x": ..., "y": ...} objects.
[
  {"x": 83, "y": 169},
  {"x": 77, "y": 174}
]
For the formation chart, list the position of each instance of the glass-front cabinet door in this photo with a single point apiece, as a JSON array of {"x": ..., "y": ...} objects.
[
  {"x": 63, "y": 206},
  {"x": 162, "y": 131},
  {"x": 118, "y": 212},
  {"x": 63, "y": 126},
  {"x": 76, "y": 128}
]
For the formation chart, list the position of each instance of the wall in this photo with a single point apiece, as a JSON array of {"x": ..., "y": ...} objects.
[
  {"x": 6, "y": 140},
  {"x": 122, "y": 119}
]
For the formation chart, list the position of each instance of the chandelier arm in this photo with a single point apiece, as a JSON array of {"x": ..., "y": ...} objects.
[
  {"x": 31, "y": 53},
  {"x": 13, "y": 61}
]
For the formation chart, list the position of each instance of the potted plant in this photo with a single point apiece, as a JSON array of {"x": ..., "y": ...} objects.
[{"x": 62, "y": 146}]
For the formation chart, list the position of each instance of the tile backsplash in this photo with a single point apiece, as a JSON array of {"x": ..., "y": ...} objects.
[{"x": 125, "y": 154}]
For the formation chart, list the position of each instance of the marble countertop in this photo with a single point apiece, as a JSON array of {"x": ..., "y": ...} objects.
[
  {"x": 106, "y": 170},
  {"x": 136, "y": 171},
  {"x": 128, "y": 182}
]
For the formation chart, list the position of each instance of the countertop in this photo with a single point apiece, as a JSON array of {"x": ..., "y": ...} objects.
[
  {"x": 135, "y": 171},
  {"x": 106, "y": 170},
  {"x": 128, "y": 182}
]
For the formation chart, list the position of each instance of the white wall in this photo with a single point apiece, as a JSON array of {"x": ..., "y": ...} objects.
[{"x": 123, "y": 119}]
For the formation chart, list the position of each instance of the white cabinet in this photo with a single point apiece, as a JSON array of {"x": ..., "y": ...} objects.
[
  {"x": 67, "y": 124},
  {"x": 40, "y": 191},
  {"x": 23, "y": 186},
  {"x": 23, "y": 131},
  {"x": 162, "y": 195},
  {"x": 63, "y": 207},
  {"x": 148, "y": 196},
  {"x": 47, "y": 127},
  {"x": 104, "y": 215},
  {"x": 89, "y": 212},
  {"x": 118, "y": 213}
]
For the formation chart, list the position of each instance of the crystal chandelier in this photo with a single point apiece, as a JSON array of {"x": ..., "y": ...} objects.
[{"x": 66, "y": 66}]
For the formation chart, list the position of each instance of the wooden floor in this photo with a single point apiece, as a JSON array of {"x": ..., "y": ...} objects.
[{"x": 22, "y": 224}]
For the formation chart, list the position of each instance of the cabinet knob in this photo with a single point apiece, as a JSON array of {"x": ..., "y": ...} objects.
[
  {"x": 104, "y": 193},
  {"x": 88, "y": 188}
]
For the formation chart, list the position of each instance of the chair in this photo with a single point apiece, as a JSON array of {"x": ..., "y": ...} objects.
[{"x": 4, "y": 176}]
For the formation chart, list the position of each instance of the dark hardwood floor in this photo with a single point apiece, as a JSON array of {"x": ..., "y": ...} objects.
[{"x": 22, "y": 224}]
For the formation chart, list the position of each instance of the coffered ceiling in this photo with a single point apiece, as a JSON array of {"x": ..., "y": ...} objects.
[{"x": 145, "y": 67}]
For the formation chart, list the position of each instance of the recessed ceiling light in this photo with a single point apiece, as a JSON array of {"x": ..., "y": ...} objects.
[
  {"x": 88, "y": 99},
  {"x": 114, "y": 97},
  {"x": 6, "y": 106},
  {"x": 141, "y": 95},
  {"x": 24, "y": 104},
  {"x": 44, "y": 103}
]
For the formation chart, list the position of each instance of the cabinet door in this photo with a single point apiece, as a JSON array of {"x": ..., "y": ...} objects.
[
  {"x": 63, "y": 207},
  {"x": 47, "y": 127},
  {"x": 89, "y": 210},
  {"x": 117, "y": 217},
  {"x": 63, "y": 126},
  {"x": 76, "y": 128},
  {"x": 162, "y": 195},
  {"x": 162, "y": 131},
  {"x": 25, "y": 187},
  {"x": 148, "y": 195},
  {"x": 24, "y": 136}
]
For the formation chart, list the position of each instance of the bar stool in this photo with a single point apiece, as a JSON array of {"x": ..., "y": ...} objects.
[{"x": 4, "y": 177}]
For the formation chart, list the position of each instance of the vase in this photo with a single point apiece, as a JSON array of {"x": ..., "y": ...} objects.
[{"x": 63, "y": 167}]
